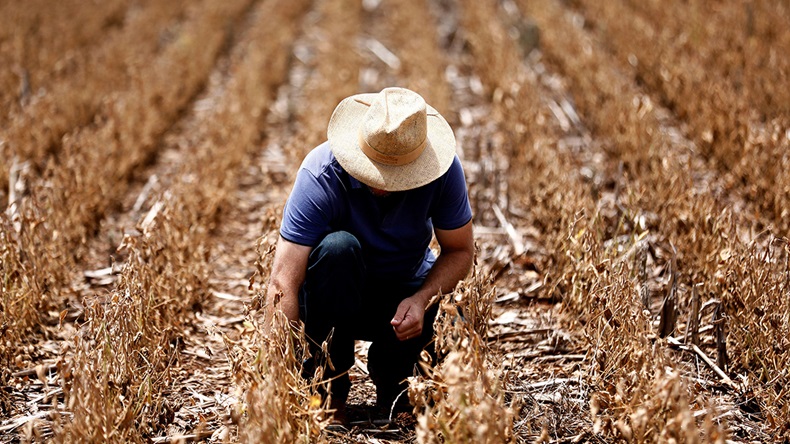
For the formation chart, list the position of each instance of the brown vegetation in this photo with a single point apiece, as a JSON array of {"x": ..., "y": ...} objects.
[
  {"x": 736, "y": 117},
  {"x": 39, "y": 41},
  {"x": 626, "y": 167},
  {"x": 166, "y": 272},
  {"x": 72, "y": 101}
]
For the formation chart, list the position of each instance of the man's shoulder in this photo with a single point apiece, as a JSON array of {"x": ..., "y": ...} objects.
[
  {"x": 324, "y": 171},
  {"x": 318, "y": 160}
]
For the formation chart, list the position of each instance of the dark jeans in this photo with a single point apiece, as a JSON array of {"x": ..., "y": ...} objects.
[{"x": 340, "y": 298}]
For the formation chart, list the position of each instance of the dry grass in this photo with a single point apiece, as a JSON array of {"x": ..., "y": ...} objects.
[
  {"x": 278, "y": 404},
  {"x": 166, "y": 273},
  {"x": 462, "y": 399},
  {"x": 35, "y": 133},
  {"x": 730, "y": 119},
  {"x": 623, "y": 206}
]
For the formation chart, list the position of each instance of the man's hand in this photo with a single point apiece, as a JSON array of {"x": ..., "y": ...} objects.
[
  {"x": 453, "y": 263},
  {"x": 288, "y": 272},
  {"x": 408, "y": 319}
]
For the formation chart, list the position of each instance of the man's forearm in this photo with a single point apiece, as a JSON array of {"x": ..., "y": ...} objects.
[
  {"x": 279, "y": 297},
  {"x": 450, "y": 268},
  {"x": 288, "y": 273}
]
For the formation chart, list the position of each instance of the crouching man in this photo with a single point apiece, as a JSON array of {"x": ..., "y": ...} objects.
[{"x": 353, "y": 259}]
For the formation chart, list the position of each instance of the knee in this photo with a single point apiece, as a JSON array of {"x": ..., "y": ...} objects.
[{"x": 339, "y": 246}]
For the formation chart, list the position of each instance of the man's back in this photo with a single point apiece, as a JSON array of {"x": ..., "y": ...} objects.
[{"x": 394, "y": 230}]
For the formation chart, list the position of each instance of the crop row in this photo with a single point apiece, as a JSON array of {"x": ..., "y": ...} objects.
[
  {"x": 168, "y": 267},
  {"x": 664, "y": 185},
  {"x": 96, "y": 81},
  {"x": 39, "y": 38},
  {"x": 508, "y": 173},
  {"x": 278, "y": 403},
  {"x": 737, "y": 41},
  {"x": 422, "y": 62},
  {"x": 653, "y": 194},
  {"x": 45, "y": 237},
  {"x": 667, "y": 182},
  {"x": 596, "y": 282},
  {"x": 749, "y": 273},
  {"x": 730, "y": 116},
  {"x": 334, "y": 72},
  {"x": 460, "y": 398},
  {"x": 521, "y": 152}
]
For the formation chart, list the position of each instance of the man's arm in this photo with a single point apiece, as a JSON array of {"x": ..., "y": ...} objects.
[
  {"x": 288, "y": 274},
  {"x": 452, "y": 265}
]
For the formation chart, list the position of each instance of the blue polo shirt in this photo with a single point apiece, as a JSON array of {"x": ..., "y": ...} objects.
[{"x": 394, "y": 230}]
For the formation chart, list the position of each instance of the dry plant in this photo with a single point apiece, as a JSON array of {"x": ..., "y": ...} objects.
[
  {"x": 729, "y": 114},
  {"x": 36, "y": 131},
  {"x": 740, "y": 40},
  {"x": 58, "y": 43},
  {"x": 10, "y": 264},
  {"x": 656, "y": 413},
  {"x": 722, "y": 71},
  {"x": 115, "y": 383},
  {"x": 39, "y": 40},
  {"x": 335, "y": 73},
  {"x": 279, "y": 405},
  {"x": 62, "y": 211},
  {"x": 167, "y": 270},
  {"x": 462, "y": 398},
  {"x": 539, "y": 174},
  {"x": 586, "y": 268},
  {"x": 652, "y": 192},
  {"x": 687, "y": 217},
  {"x": 637, "y": 394},
  {"x": 412, "y": 35},
  {"x": 754, "y": 284},
  {"x": 31, "y": 273},
  {"x": 495, "y": 52}
]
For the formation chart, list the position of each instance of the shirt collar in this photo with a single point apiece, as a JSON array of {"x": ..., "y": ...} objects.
[{"x": 355, "y": 184}]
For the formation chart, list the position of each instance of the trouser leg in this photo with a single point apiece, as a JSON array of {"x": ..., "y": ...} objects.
[
  {"x": 391, "y": 361},
  {"x": 329, "y": 301}
]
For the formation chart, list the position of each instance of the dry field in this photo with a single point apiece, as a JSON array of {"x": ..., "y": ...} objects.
[{"x": 627, "y": 163}]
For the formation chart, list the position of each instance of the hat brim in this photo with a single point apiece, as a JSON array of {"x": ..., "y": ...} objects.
[{"x": 343, "y": 135}]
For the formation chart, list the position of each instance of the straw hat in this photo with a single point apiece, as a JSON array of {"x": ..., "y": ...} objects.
[{"x": 392, "y": 140}]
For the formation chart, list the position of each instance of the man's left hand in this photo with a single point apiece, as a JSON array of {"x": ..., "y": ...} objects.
[{"x": 408, "y": 319}]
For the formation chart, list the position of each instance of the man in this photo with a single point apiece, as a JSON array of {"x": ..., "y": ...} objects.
[{"x": 353, "y": 261}]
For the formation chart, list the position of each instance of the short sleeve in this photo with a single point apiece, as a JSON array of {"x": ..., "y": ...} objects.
[
  {"x": 305, "y": 217},
  {"x": 452, "y": 209}
]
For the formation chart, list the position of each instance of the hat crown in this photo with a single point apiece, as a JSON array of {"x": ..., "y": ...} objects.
[
  {"x": 396, "y": 122},
  {"x": 391, "y": 140}
]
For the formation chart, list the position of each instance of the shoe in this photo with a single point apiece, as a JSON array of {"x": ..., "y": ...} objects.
[{"x": 339, "y": 421}]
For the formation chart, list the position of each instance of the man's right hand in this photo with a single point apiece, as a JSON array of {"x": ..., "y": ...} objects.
[{"x": 408, "y": 319}]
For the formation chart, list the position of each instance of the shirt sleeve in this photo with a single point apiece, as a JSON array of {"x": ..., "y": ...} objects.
[
  {"x": 305, "y": 217},
  {"x": 452, "y": 209}
]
